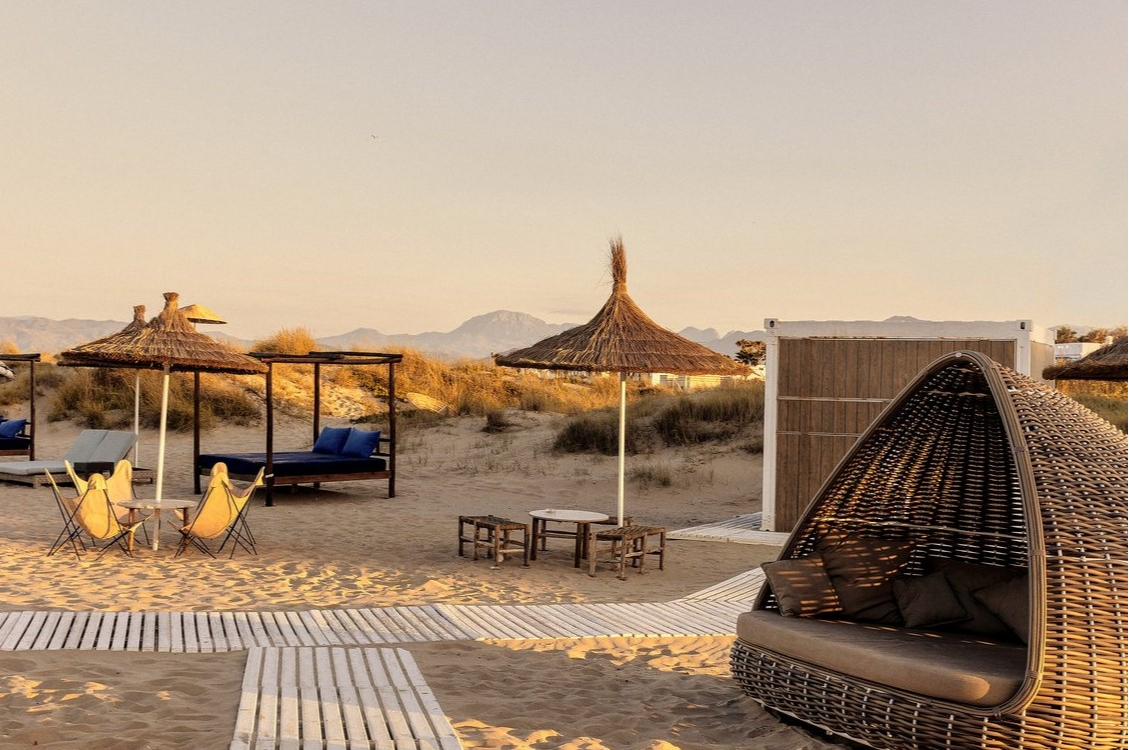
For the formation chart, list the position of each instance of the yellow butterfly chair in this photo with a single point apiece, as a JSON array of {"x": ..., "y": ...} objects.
[
  {"x": 119, "y": 485},
  {"x": 96, "y": 516},
  {"x": 222, "y": 512},
  {"x": 71, "y": 533}
]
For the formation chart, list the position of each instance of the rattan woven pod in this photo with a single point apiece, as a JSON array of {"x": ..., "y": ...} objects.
[{"x": 976, "y": 463}]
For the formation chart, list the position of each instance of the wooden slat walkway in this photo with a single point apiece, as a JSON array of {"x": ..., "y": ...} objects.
[
  {"x": 197, "y": 632},
  {"x": 740, "y": 530},
  {"x": 316, "y": 679},
  {"x": 339, "y": 699}
]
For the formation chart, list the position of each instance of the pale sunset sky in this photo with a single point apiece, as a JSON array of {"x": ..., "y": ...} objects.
[{"x": 407, "y": 165}]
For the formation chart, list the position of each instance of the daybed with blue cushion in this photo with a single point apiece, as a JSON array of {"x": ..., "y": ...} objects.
[
  {"x": 15, "y": 440},
  {"x": 339, "y": 454}
]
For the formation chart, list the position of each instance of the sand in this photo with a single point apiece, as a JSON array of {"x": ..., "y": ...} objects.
[{"x": 348, "y": 545}]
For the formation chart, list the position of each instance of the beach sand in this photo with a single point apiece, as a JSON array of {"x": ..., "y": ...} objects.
[{"x": 348, "y": 545}]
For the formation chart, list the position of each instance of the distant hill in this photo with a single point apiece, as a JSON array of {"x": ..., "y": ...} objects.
[
  {"x": 31, "y": 334},
  {"x": 478, "y": 338}
]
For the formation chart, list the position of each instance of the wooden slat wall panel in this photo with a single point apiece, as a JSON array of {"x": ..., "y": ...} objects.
[{"x": 831, "y": 390}]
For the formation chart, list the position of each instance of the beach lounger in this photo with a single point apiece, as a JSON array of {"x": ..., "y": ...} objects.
[{"x": 93, "y": 450}]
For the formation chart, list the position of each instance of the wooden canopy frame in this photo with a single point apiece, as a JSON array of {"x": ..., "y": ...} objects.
[
  {"x": 317, "y": 359},
  {"x": 31, "y": 359}
]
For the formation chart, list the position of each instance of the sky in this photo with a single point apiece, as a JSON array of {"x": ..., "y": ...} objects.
[{"x": 405, "y": 166}]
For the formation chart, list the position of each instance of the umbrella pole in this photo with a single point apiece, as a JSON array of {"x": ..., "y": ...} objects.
[
  {"x": 136, "y": 414},
  {"x": 161, "y": 436},
  {"x": 622, "y": 440}
]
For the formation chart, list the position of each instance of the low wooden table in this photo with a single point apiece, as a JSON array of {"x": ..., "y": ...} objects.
[
  {"x": 156, "y": 506},
  {"x": 582, "y": 518}
]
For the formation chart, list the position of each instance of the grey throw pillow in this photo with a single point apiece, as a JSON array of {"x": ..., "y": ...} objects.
[
  {"x": 968, "y": 578},
  {"x": 1008, "y": 600},
  {"x": 801, "y": 586},
  {"x": 928, "y": 601},
  {"x": 861, "y": 570}
]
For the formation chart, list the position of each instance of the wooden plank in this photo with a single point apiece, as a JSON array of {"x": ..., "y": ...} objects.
[
  {"x": 373, "y": 712},
  {"x": 78, "y": 628},
  {"x": 90, "y": 634},
  {"x": 332, "y": 724},
  {"x": 381, "y": 633},
  {"x": 188, "y": 632},
  {"x": 360, "y": 628},
  {"x": 273, "y": 631},
  {"x": 421, "y": 727},
  {"x": 309, "y": 700},
  {"x": 175, "y": 632},
  {"x": 247, "y": 712},
  {"x": 397, "y": 722},
  {"x": 62, "y": 631},
  {"x": 318, "y": 627},
  {"x": 353, "y": 716},
  {"x": 148, "y": 632},
  {"x": 227, "y": 625},
  {"x": 289, "y": 707},
  {"x": 164, "y": 631},
  {"x": 266, "y": 722},
  {"x": 251, "y": 630},
  {"x": 31, "y": 632},
  {"x": 454, "y": 631},
  {"x": 441, "y": 724}
]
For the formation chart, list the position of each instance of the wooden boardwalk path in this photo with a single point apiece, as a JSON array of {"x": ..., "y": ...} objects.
[
  {"x": 327, "y": 678},
  {"x": 338, "y": 698},
  {"x": 739, "y": 529}
]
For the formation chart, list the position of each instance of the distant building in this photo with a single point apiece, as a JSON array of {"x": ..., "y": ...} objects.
[{"x": 1075, "y": 350}]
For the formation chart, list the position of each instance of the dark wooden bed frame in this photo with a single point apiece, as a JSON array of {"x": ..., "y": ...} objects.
[{"x": 317, "y": 359}]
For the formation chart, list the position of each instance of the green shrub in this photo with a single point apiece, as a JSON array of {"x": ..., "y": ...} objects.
[
  {"x": 720, "y": 414},
  {"x": 1110, "y": 408}
]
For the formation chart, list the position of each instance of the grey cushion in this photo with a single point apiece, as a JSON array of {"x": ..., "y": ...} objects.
[
  {"x": 968, "y": 578},
  {"x": 84, "y": 445},
  {"x": 113, "y": 448},
  {"x": 861, "y": 570},
  {"x": 948, "y": 666},
  {"x": 927, "y": 601},
  {"x": 1009, "y": 600},
  {"x": 801, "y": 586},
  {"x": 32, "y": 468}
]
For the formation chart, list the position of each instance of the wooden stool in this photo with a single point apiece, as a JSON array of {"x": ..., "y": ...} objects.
[
  {"x": 498, "y": 537},
  {"x": 645, "y": 546},
  {"x": 621, "y": 549}
]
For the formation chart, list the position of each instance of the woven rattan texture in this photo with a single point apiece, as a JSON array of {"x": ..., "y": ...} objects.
[{"x": 977, "y": 463}]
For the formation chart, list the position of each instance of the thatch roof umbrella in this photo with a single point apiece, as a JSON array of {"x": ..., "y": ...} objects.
[
  {"x": 621, "y": 338},
  {"x": 1111, "y": 362},
  {"x": 167, "y": 342},
  {"x": 201, "y": 314},
  {"x": 86, "y": 355}
]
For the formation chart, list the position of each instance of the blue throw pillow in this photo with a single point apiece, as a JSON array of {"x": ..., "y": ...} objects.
[
  {"x": 332, "y": 440},
  {"x": 11, "y": 427},
  {"x": 361, "y": 443}
]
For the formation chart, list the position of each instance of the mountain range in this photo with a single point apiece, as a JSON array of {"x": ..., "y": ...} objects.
[{"x": 479, "y": 337}]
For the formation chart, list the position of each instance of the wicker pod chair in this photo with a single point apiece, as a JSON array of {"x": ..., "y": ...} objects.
[{"x": 973, "y": 463}]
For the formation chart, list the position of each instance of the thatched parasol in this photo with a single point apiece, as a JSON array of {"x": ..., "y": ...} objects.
[
  {"x": 201, "y": 314},
  {"x": 1111, "y": 362},
  {"x": 167, "y": 342},
  {"x": 621, "y": 338},
  {"x": 87, "y": 355}
]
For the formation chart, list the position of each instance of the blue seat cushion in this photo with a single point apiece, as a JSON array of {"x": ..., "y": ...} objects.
[
  {"x": 361, "y": 443},
  {"x": 294, "y": 464},
  {"x": 332, "y": 440},
  {"x": 9, "y": 428}
]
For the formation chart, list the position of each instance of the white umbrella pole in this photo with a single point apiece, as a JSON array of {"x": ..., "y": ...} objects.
[
  {"x": 136, "y": 415},
  {"x": 622, "y": 439},
  {"x": 161, "y": 435}
]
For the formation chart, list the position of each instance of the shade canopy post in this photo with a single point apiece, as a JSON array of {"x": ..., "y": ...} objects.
[
  {"x": 622, "y": 444},
  {"x": 164, "y": 426}
]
